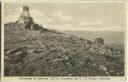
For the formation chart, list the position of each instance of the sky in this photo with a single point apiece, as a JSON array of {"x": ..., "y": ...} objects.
[{"x": 72, "y": 16}]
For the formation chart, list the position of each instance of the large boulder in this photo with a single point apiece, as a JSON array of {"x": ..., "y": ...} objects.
[{"x": 99, "y": 40}]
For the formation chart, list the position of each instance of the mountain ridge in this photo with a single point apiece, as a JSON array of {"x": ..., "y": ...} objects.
[
  {"x": 108, "y": 36},
  {"x": 45, "y": 52}
]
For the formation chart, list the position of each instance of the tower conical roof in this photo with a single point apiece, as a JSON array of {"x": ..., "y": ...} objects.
[
  {"x": 25, "y": 13},
  {"x": 25, "y": 20}
]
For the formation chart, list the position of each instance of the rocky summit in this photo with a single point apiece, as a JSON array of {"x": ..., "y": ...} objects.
[
  {"x": 45, "y": 52},
  {"x": 50, "y": 53}
]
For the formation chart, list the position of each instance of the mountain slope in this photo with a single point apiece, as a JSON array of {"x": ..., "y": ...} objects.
[
  {"x": 110, "y": 37},
  {"x": 51, "y": 53}
]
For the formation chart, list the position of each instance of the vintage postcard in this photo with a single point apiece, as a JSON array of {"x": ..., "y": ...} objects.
[{"x": 64, "y": 41}]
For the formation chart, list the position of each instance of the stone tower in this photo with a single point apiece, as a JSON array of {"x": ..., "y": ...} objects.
[{"x": 25, "y": 20}]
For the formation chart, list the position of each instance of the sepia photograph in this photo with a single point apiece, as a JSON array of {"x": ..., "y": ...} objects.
[{"x": 64, "y": 39}]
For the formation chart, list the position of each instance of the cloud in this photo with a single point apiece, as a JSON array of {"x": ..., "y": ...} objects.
[
  {"x": 72, "y": 27},
  {"x": 98, "y": 26},
  {"x": 37, "y": 16},
  {"x": 13, "y": 16},
  {"x": 113, "y": 28},
  {"x": 40, "y": 17},
  {"x": 64, "y": 24},
  {"x": 61, "y": 17},
  {"x": 10, "y": 18},
  {"x": 60, "y": 26},
  {"x": 90, "y": 23}
]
